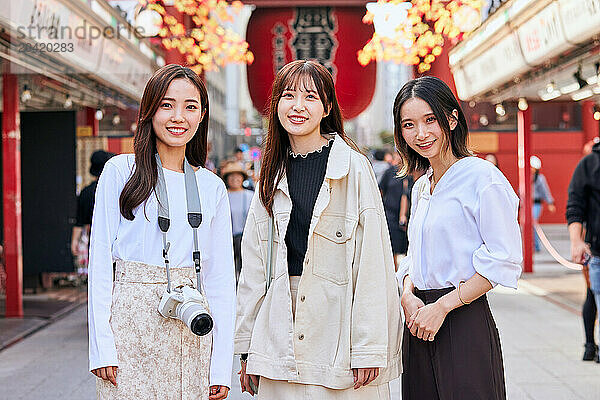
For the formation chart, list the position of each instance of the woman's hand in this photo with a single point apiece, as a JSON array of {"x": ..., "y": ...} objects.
[
  {"x": 410, "y": 304},
  {"x": 107, "y": 373},
  {"x": 218, "y": 392},
  {"x": 426, "y": 322},
  {"x": 364, "y": 376},
  {"x": 245, "y": 380}
]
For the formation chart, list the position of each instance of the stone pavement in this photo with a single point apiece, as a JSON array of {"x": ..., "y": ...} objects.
[
  {"x": 539, "y": 324},
  {"x": 39, "y": 310}
]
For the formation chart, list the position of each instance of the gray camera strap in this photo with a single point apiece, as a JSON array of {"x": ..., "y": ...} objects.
[{"x": 194, "y": 215}]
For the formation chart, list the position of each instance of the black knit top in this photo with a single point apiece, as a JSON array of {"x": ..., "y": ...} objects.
[{"x": 305, "y": 176}]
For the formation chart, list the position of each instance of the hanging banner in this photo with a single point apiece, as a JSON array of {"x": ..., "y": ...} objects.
[{"x": 329, "y": 35}]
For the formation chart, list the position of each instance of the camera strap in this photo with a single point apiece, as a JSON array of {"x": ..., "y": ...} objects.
[{"x": 194, "y": 215}]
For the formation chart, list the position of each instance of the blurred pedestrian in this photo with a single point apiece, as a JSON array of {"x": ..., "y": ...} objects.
[
  {"x": 85, "y": 207},
  {"x": 239, "y": 203},
  {"x": 379, "y": 164},
  {"x": 238, "y": 155},
  {"x": 583, "y": 208},
  {"x": 541, "y": 195},
  {"x": 135, "y": 351},
  {"x": 395, "y": 191},
  {"x": 464, "y": 239},
  {"x": 328, "y": 325}
]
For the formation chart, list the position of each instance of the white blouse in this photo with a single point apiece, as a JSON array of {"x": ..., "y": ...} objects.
[
  {"x": 468, "y": 225},
  {"x": 114, "y": 237}
]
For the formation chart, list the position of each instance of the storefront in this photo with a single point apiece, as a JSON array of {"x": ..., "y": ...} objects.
[
  {"x": 529, "y": 75},
  {"x": 69, "y": 68}
]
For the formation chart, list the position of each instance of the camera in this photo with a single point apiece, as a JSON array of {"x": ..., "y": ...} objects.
[{"x": 187, "y": 305}]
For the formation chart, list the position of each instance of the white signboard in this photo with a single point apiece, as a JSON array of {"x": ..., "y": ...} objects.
[
  {"x": 580, "y": 19},
  {"x": 493, "y": 67},
  {"x": 542, "y": 37},
  {"x": 51, "y": 28}
]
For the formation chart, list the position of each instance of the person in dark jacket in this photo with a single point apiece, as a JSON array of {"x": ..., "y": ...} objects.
[
  {"x": 395, "y": 192},
  {"x": 583, "y": 208},
  {"x": 85, "y": 208}
]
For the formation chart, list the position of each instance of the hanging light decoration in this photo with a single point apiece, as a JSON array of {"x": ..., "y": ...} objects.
[
  {"x": 209, "y": 45},
  {"x": 419, "y": 37}
]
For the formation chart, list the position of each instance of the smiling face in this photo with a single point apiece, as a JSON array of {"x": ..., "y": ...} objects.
[
  {"x": 300, "y": 109},
  {"x": 179, "y": 114},
  {"x": 421, "y": 129}
]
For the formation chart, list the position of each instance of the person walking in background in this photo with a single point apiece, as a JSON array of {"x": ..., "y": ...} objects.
[
  {"x": 379, "y": 164},
  {"x": 583, "y": 218},
  {"x": 541, "y": 195},
  {"x": 239, "y": 203},
  {"x": 464, "y": 239},
  {"x": 146, "y": 222},
  {"x": 396, "y": 202},
  {"x": 85, "y": 207},
  {"x": 328, "y": 325}
]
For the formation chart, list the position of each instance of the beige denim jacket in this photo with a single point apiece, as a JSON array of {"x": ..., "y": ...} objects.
[{"x": 348, "y": 307}]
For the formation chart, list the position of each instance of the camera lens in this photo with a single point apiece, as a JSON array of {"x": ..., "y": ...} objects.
[{"x": 201, "y": 324}]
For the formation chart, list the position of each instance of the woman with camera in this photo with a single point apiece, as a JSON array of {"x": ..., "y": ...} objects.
[
  {"x": 317, "y": 297},
  {"x": 150, "y": 323},
  {"x": 464, "y": 239}
]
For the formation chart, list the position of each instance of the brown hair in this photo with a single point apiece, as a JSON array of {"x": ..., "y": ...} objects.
[
  {"x": 440, "y": 98},
  {"x": 143, "y": 180},
  {"x": 277, "y": 142}
]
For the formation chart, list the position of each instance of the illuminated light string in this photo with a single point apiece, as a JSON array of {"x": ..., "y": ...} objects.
[
  {"x": 208, "y": 45},
  {"x": 414, "y": 32}
]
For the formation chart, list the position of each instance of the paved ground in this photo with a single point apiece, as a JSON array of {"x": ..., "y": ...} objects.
[{"x": 539, "y": 325}]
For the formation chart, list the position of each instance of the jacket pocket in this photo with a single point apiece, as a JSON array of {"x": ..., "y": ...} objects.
[{"x": 331, "y": 252}]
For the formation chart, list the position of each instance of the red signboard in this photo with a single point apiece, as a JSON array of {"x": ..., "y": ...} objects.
[{"x": 330, "y": 35}]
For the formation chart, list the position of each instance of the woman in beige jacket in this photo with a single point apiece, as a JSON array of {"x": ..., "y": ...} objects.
[{"x": 329, "y": 325}]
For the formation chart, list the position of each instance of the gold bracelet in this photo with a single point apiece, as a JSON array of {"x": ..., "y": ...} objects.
[{"x": 459, "y": 296}]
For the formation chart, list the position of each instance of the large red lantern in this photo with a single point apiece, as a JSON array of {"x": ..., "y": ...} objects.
[{"x": 329, "y": 35}]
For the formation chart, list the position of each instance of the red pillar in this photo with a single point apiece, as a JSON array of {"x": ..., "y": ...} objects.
[
  {"x": 11, "y": 167},
  {"x": 90, "y": 120},
  {"x": 590, "y": 126},
  {"x": 525, "y": 187}
]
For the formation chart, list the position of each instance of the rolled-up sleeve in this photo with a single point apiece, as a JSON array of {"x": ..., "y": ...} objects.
[
  {"x": 499, "y": 258},
  {"x": 105, "y": 222},
  {"x": 219, "y": 283}
]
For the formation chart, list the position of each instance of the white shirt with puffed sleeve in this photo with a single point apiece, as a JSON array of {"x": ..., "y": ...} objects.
[
  {"x": 115, "y": 238},
  {"x": 468, "y": 225}
]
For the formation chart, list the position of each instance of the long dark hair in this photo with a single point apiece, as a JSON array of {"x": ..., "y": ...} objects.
[
  {"x": 440, "y": 98},
  {"x": 143, "y": 180},
  {"x": 277, "y": 143}
]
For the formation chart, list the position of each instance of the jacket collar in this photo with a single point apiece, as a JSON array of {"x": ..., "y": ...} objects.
[{"x": 338, "y": 164}]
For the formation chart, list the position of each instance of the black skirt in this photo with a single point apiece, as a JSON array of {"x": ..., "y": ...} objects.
[{"x": 464, "y": 362}]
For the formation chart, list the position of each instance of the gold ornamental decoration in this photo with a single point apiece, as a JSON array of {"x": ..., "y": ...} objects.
[
  {"x": 414, "y": 32},
  {"x": 208, "y": 45}
]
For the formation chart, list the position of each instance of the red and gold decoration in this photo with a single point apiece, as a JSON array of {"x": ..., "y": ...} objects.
[
  {"x": 329, "y": 35},
  {"x": 209, "y": 44},
  {"x": 419, "y": 29}
]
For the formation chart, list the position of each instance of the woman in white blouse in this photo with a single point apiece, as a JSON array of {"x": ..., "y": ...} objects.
[
  {"x": 134, "y": 351},
  {"x": 464, "y": 239}
]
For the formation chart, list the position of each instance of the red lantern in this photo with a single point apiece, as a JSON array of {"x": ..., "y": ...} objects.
[{"x": 330, "y": 35}]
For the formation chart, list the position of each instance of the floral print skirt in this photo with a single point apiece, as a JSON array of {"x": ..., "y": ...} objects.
[{"x": 159, "y": 358}]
